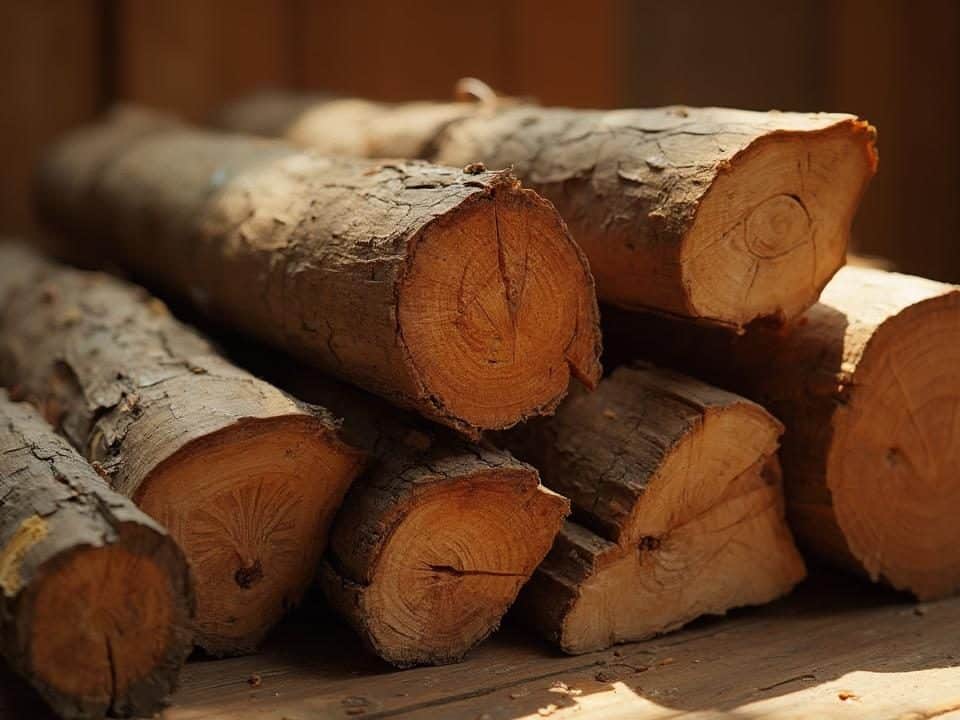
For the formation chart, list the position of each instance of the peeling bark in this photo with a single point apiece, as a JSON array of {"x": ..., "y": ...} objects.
[
  {"x": 717, "y": 214},
  {"x": 238, "y": 472},
  {"x": 459, "y": 295},
  {"x": 84, "y": 573}
]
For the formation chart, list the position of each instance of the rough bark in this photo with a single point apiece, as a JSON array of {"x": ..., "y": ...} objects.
[
  {"x": 245, "y": 478},
  {"x": 457, "y": 294},
  {"x": 717, "y": 214},
  {"x": 868, "y": 385},
  {"x": 435, "y": 540},
  {"x": 678, "y": 509},
  {"x": 84, "y": 574}
]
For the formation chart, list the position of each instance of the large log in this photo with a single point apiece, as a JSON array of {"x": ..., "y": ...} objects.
[
  {"x": 868, "y": 385},
  {"x": 457, "y": 294},
  {"x": 710, "y": 213},
  {"x": 678, "y": 509},
  {"x": 435, "y": 540},
  {"x": 245, "y": 478},
  {"x": 95, "y": 597}
]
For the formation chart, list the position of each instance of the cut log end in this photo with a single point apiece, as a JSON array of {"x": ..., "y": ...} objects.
[
  {"x": 497, "y": 310},
  {"x": 774, "y": 225},
  {"x": 255, "y": 527},
  {"x": 892, "y": 467},
  {"x": 449, "y": 572},
  {"x": 125, "y": 622},
  {"x": 704, "y": 561},
  {"x": 667, "y": 538}
]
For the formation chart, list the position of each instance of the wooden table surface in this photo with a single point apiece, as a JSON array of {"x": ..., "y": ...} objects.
[{"x": 836, "y": 648}]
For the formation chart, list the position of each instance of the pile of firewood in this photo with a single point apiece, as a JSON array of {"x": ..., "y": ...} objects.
[{"x": 401, "y": 437}]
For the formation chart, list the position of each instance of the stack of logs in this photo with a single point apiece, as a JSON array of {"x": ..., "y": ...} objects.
[{"x": 407, "y": 444}]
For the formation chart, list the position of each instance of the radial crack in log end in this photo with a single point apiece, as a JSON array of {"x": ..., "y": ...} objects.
[
  {"x": 678, "y": 509},
  {"x": 868, "y": 384},
  {"x": 495, "y": 313},
  {"x": 246, "y": 479},
  {"x": 85, "y": 575},
  {"x": 430, "y": 575},
  {"x": 711, "y": 213},
  {"x": 459, "y": 295}
]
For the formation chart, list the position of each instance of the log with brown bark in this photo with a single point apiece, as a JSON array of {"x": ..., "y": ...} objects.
[
  {"x": 456, "y": 293},
  {"x": 678, "y": 509},
  {"x": 245, "y": 478},
  {"x": 868, "y": 385},
  {"x": 717, "y": 214},
  {"x": 95, "y": 597},
  {"x": 435, "y": 540}
]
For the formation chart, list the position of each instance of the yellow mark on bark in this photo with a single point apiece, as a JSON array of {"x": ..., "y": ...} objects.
[{"x": 31, "y": 531}]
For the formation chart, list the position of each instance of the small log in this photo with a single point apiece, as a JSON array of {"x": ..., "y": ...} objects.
[
  {"x": 457, "y": 294},
  {"x": 710, "y": 213},
  {"x": 678, "y": 509},
  {"x": 434, "y": 542},
  {"x": 868, "y": 385},
  {"x": 245, "y": 478},
  {"x": 95, "y": 597}
]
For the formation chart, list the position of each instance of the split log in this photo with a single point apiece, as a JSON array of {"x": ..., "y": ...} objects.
[
  {"x": 434, "y": 542},
  {"x": 678, "y": 509},
  {"x": 868, "y": 385},
  {"x": 245, "y": 478},
  {"x": 95, "y": 597},
  {"x": 457, "y": 294},
  {"x": 717, "y": 214}
]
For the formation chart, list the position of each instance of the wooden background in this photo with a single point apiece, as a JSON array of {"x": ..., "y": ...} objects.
[{"x": 895, "y": 62}]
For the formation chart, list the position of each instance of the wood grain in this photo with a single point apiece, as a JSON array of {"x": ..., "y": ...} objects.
[{"x": 789, "y": 660}]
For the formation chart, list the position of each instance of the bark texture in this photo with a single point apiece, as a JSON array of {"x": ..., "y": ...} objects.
[
  {"x": 84, "y": 574},
  {"x": 868, "y": 385},
  {"x": 245, "y": 478},
  {"x": 434, "y": 542},
  {"x": 678, "y": 509},
  {"x": 457, "y": 294},
  {"x": 717, "y": 214}
]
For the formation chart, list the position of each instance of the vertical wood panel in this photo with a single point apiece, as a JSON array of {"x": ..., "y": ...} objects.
[
  {"x": 190, "y": 56},
  {"x": 401, "y": 50},
  {"x": 50, "y": 80},
  {"x": 752, "y": 54},
  {"x": 568, "y": 52},
  {"x": 898, "y": 64}
]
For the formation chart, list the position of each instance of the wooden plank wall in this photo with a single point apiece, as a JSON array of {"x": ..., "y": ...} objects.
[{"x": 894, "y": 62}]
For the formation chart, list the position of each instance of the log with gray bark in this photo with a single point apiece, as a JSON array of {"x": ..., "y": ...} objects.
[
  {"x": 711, "y": 213},
  {"x": 677, "y": 509},
  {"x": 245, "y": 478},
  {"x": 455, "y": 293},
  {"x": 435, "y": 540},
  {"x": 95, "y": 597},
  {"x": 867, "y": 383}
]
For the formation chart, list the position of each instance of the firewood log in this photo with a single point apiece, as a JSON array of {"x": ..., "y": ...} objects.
[
  {"x": 678, "y": 509},
  {"x": 245, "y": 478},
  {"x": 435, "y": 540},
  {"x": 455, "y": 293},
  {"x": 867, "y": 383},
  {"x": 717, "y": 214},
  {"x": 95, "y": 597}
]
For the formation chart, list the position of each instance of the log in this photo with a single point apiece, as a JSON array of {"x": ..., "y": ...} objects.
[
  {"x": 710, "y": 213},
  {"x": 435, "y": 540},
  {"x": 84, "y": 574},
  {"x": 868, "y": 385},
  {"x": 457, "y": 294},
  {"x": 245, "y": 478},
  {"x": 677, "y": 509}
]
